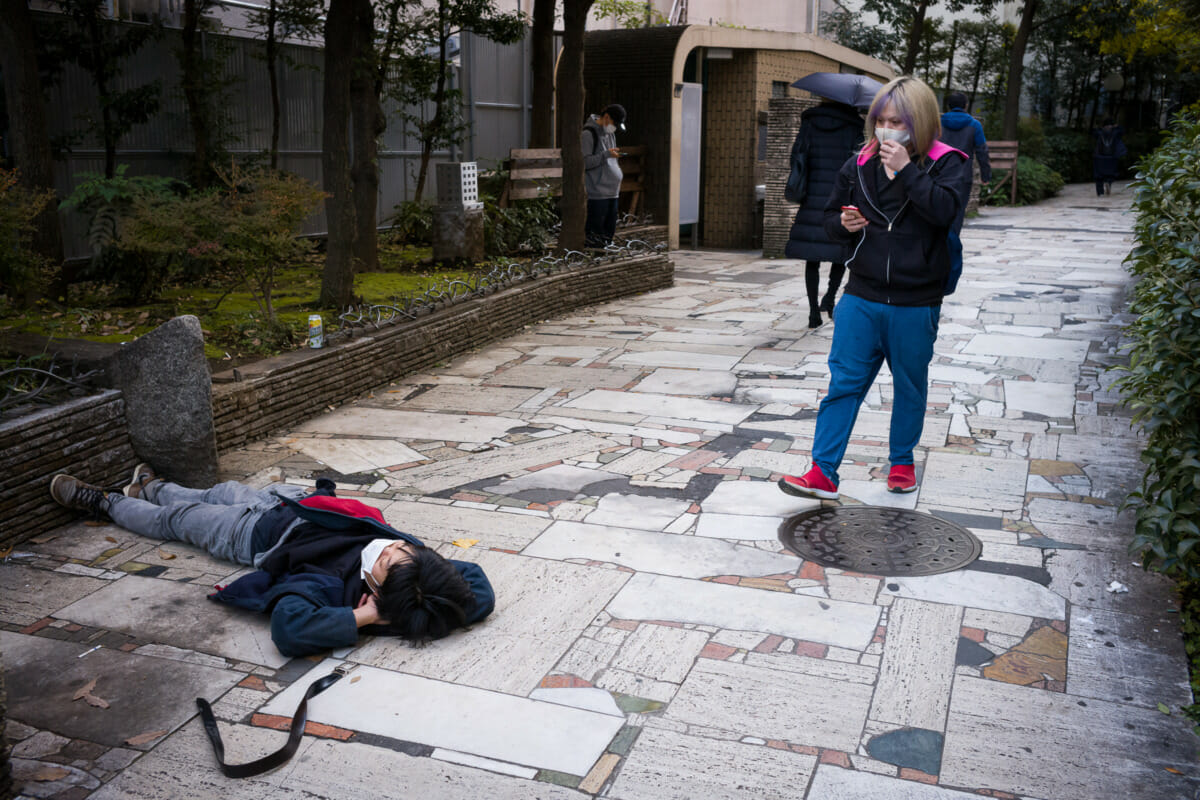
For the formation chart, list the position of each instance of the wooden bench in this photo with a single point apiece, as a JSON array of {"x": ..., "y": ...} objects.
[
  {"x": 538, "y": 173},
  {"x": 1003, "y": 155}
]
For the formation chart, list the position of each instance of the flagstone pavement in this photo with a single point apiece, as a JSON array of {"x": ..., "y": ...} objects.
[{"x": 613, "y": 471}]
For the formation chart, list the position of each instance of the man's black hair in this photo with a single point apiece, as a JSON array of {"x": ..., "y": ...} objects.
[
  {"x": 956, "y": 100},
  {"x": 425, "y": 597}
]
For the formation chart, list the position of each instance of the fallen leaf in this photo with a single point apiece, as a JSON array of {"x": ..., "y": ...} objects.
[
  {"x": 1172, "y": 770},
  {"x": 50, "y": 774},
  {"x": 95, "y": 702},
  {"x": 95, "y": 523},
  {"x": 1163, "y": 708},
  {"x": 356, "y": 679},
  {"x": 6, "y": 552},
  {"x": 112, "y": 539},
  {"x": 145, "y": 738},
  {"x": 86, "y": 689},
  {"x": 464, "y": 543},
  {"x": 165, "y": 556},
  {"x": 45, "y": 537}
]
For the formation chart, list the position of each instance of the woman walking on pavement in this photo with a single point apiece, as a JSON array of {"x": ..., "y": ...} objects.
[
  {"x": 829, "y": 134},
  {"x": 892, "y": 207}
]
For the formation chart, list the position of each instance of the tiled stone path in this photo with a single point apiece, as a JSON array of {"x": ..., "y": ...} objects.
[{"x": 613, "y": 472}]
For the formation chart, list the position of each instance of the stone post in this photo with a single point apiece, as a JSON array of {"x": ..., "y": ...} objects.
[
  {"x": 458, "y": 217},
  {"x": 168, "y": 401}
]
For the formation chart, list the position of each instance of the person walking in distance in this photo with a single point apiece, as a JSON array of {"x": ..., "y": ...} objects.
[
  {"x": 829, "y": 134},
  {"x": 893, "y": 206},
  {"x": 964, "y": 133},
  {"x": 602, "y": 173}
]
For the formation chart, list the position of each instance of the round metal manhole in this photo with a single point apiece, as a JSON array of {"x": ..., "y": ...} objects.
[{"x": 879, "y": 541}]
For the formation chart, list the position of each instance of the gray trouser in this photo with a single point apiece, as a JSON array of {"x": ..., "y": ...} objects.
[{"x": 219, "y": 520}]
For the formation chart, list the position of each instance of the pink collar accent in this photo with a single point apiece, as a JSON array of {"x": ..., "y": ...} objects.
[{"x": 938, "y": 150}]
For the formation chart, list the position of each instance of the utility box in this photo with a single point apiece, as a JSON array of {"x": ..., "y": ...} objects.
[
  {"x": 458, "y": 185},
  {"x": 458, "y": 218}
]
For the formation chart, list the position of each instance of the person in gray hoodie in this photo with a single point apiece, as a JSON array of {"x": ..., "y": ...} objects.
[
  {"x": 963, "y": 132},
  {"x": 602, "y": 175}
]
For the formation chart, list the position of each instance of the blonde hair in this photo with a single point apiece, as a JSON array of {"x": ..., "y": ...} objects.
[{"x": 916, "y": 104}]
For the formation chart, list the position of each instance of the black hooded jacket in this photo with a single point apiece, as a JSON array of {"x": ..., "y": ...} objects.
[{"x": 829, "y": 134}]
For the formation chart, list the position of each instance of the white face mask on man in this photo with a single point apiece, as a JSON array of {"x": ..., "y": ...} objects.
[{"x": 610, "y": 128}]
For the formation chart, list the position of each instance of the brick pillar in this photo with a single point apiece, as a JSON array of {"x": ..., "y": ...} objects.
[{"x": 782, "y": 124}]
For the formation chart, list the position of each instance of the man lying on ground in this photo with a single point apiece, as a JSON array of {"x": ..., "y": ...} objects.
[{"x": 327, "y": 566}]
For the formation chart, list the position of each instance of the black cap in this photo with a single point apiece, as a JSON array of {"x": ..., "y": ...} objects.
[{"x": 616, "y": 112}]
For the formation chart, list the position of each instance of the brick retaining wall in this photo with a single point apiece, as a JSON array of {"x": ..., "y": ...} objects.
[
  {"x": 782, "y": 125},
  {"x": 85, "y": 437},
  {"x": 282, "y": 391}
]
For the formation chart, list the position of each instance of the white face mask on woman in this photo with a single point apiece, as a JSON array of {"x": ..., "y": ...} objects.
[
  {"x": 610, "y": 128},
  {"x": 892, "y": 135}
]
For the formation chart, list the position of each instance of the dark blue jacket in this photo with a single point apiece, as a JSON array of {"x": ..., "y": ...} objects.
[
  {"x": 964, "y": 133},
  {"x": 903, "y": 260},
  {"x": 829, "y": 134},
  {"x": 312, "y": 605}
]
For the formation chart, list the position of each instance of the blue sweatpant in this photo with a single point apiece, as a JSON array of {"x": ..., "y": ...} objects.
[{"x": 865, "y": 336}]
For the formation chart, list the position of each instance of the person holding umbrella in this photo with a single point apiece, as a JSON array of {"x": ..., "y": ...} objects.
[
  {"x": 829, "y": 134},
  {"x": 892, "y": 207}
]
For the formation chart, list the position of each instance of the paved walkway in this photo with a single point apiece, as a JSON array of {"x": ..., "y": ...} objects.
[{"x": 614, "y": 473}]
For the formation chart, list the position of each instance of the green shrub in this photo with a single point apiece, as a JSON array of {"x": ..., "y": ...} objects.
[
  {"x": 1035, "y": 182},
  {"x": 1069, "y": 153},
  {"x": 138, "y": 273},
  {"x": 1162, "y": 384},
  {"x": 20, "y": 266},
  {"x": 412, "y": 223}
]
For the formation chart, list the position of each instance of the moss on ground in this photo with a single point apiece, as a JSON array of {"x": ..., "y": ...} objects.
[{"x": 235, "y": 327}]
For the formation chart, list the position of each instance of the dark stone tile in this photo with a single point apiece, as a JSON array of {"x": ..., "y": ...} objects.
[
  {"x": 624, "y": 740},
  {"x": 971, "y": 653},
  {"x": 916, "y": 748},
  {"x": 1036, "y": 574},
  {"x": 1046, "y": 543},
  {"x": 971, "y": 520},
  {"x": 399, "y": 745}
]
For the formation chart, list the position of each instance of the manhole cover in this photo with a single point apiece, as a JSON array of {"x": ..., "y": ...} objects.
[{"x": 879, "y": 541}]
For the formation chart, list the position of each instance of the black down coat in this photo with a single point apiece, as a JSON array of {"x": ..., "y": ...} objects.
[{"x": 829, "y": 135}]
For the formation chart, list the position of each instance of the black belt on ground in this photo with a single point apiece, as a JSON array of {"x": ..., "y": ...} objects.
[{"x": 280, "y": 756}]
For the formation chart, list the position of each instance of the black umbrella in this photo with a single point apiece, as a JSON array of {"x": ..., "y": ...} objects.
[{"x": 842, "y": 87}]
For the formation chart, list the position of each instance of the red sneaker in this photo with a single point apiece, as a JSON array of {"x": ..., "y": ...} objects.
[
  {"x": 902, "y": 479},
  {"x": 812, "y": 484}
]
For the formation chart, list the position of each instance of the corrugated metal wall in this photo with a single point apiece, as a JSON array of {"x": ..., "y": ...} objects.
[{"x": 496, "y": 95}]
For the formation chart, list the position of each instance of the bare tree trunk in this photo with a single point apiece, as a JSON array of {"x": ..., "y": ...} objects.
[
  {"x": 1016, "y": 68},
  {"x": 99, "y": 70},
  {"x": 439, "y": 100},
  {"x": 368, "y": 124},
  {"x": 570, "y": 105},
  {"x": 273, "y": 79},
  {"x": 541, "y": 130},
  {"x": 194, "y": 92},
  {"x": 950, "y": 59},
  {"x": 914, "y": 38},
  {"x": 337, "y": 280},
  {"x": 978, "y": 68},
  {"x": 30, "y": 135}
]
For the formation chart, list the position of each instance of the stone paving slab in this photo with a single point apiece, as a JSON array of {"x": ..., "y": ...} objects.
[
  {"x": 1052, "y": 745},
  {"x": 717, "y": 694},
  {"x": 359, "y": 420},
  {"x": 144, "y": 694},
  {"x": 463, "y": 718},
  {"x": 433, "y": 522},
  {"x": 836, "y": 783},
  {"x": 178, "y": 614},
  {"x": 664, "y": 765},
  {"x": 350, "y": 456},
  {"x": 657, "y": 553},
  {"x": 321, "y": 769},
  {"x": 27, "y": 595},
  {"x": 659, "y": 597}
]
